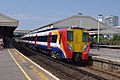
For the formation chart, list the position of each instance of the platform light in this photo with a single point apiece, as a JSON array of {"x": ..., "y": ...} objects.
[
  {"x": 80, "y": 19},
  {"x": 98, "y": 39}
]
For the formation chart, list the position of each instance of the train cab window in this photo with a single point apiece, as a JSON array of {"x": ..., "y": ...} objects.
[
  {"x": 85, "y": 37},
  {"x": 70, "y": 35},
  {"x": 54, "y": 38}
]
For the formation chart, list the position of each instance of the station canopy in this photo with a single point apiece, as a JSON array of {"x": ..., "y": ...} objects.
[
  {"x": 88, "y": 23},
  {"x": 7, "y": 25},
  {"x": 117, "y": 28},
  {"x": 109, "y": 31},
  {"x": 20, "y": 33}
]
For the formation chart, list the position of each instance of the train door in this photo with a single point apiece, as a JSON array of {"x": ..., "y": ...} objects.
[
  {"x": 77, "y": 40},
  {"x": 70, "y": 39},
  {"x": 36, "y": 40},
  {"x": 74, "y": 38},
  {"x": 49, "y": 40}
]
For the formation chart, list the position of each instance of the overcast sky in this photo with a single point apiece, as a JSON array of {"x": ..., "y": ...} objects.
[{"x": 35, "y": 13}]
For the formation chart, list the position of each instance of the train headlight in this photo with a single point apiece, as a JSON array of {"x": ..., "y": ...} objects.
[
  {"x": 85, "y": 48},
  {"x": 69, "y": 47}
]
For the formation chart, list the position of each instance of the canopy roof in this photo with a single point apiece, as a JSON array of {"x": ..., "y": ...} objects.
[
  {"x": 117, "y": 28},
  {"x": 8, "y": 21},
  {"x": 87, "y": 22},
  {"x": 108, "y": 31}
]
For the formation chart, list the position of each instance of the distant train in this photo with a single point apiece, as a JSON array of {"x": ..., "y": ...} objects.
[{"x": 65, "y": 43}]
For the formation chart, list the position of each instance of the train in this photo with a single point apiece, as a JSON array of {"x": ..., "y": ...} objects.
[{"x": 71, "y": 43}]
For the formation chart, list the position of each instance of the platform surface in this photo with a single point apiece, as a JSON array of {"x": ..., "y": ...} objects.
[
  {"x": 105, "y": 53},
  {"x": 14, "y": 66},
  {"x": 8, "y": 69}
]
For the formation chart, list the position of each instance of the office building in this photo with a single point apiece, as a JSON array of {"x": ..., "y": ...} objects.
[{"x": 111, "y": 21}]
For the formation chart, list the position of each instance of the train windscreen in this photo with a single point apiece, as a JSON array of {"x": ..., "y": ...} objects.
[
  {"x": 85, "y": 37},
  {"x": 70, "y": 35}
]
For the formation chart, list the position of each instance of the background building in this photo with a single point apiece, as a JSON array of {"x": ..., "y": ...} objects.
[{"x": 111, "y": 21}]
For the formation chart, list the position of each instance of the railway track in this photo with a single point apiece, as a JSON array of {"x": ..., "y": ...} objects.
[
  {"x": 104, "y": 73},
  {"x": 58, "y": 68}
]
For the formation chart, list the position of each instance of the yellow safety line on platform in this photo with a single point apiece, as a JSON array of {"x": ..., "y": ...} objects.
[
  {"x": 22, "y": 59},
  {"x": 39, "y": 73},
  {"x": 38, "y": 66},
  {"x": 16, "y": 53},
  {"x": 23, "y": 71}
]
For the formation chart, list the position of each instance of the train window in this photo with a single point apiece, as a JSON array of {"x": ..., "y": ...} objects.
[
  {"x": 29, "y": 39},
  {"x": 39, "y": 38},
  {"x": 54, "y": 38},
  {"x": 42, "y": 38},
  {"x": 22, "y": 38},
  {"x": 85, "y": 37},
  {"x": 70, "y": 35},
  {"x": 32, "y": 38},
  {"x": 26, "y": 38}
]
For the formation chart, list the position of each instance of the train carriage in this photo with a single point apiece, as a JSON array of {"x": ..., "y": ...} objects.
[{"x": 66, "y": 43}]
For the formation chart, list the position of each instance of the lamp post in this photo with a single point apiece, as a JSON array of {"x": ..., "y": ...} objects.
[
  {"x": 98, "y": 38},
  {"x": 80, "y": 19}
]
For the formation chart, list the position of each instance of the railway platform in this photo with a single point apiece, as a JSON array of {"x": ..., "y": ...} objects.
[
  {"x": 106, "y": 54},
  {"x": 15, "y": 66},
  {"x": 106, "y": 59},
  {"x": 108, "y": 46}
]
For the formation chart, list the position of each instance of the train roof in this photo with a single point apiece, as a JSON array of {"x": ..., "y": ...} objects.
[{"x": 72, "y": 27}]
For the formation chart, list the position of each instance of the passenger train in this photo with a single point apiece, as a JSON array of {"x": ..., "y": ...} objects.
[{"x": 64, "y": 43}]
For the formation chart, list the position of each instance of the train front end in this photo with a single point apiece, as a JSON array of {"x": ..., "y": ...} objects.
[{"x": 79, "y": 43}]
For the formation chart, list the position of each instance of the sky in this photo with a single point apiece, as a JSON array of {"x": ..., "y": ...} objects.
[{"x": 33, "y": 14}]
